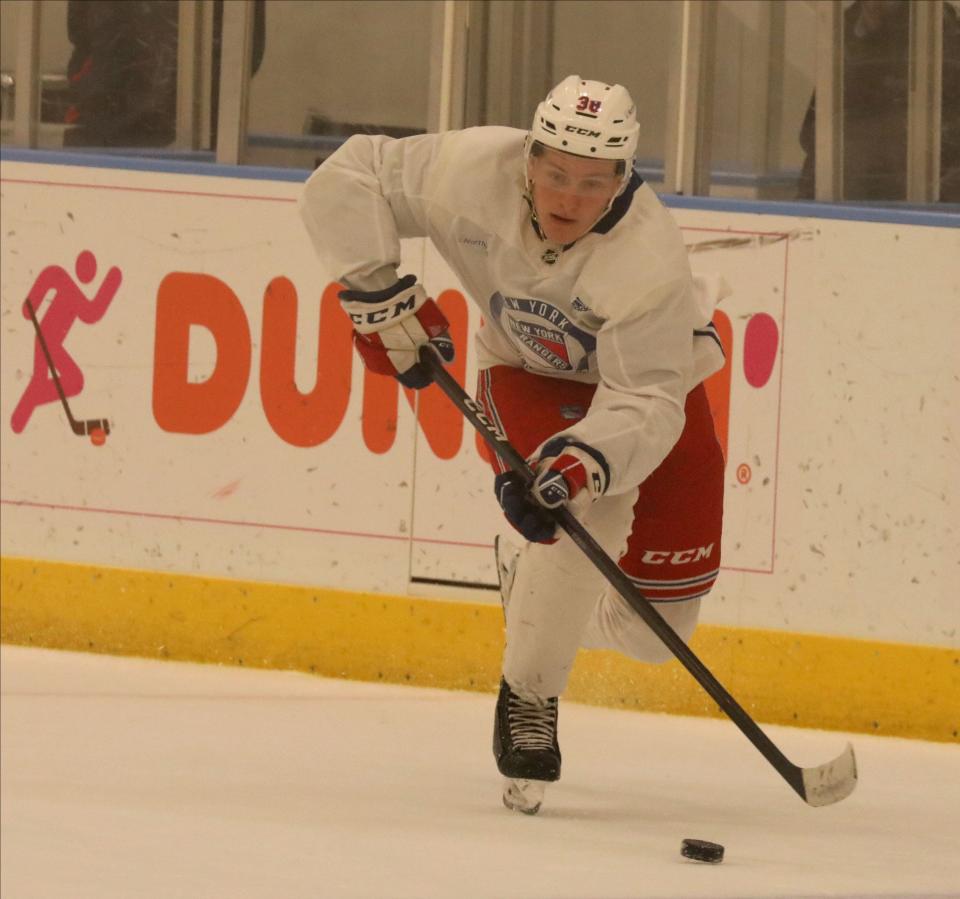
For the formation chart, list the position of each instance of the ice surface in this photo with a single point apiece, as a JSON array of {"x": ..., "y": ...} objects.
[{"x": 132, "y": 778}]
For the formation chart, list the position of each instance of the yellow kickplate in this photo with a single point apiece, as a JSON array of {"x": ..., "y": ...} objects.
[{"x": 801, "y": 679}]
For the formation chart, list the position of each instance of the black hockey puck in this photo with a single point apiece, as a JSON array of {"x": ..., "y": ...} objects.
[{"x": 702, "y": 851}]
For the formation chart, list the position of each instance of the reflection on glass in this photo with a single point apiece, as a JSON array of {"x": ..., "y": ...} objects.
[
  {"x": 336, "y": 68},
  {"x": 122, "y": 73},
  {"x": 764, "y": 72},
  {"x": 109, "y": 70},
  {"x": 53, "y": 52},
  {"x": 876, "y": 86},
  {"x": 876, "y": 47},
  {"x": 624, "y": 43}
]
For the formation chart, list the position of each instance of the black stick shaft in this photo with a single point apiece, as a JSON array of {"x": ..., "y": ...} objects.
[
  {"x": 498, "y": 442},
  {"x": 75, "y": 426}
]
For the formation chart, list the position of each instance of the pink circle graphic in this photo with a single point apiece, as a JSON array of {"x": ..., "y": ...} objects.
[{"x": 760, "y": 349}]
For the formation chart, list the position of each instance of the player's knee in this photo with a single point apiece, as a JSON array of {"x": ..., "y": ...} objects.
[
  {"x": 681, "y": 616},
  {"x": 656, "y": 652}
]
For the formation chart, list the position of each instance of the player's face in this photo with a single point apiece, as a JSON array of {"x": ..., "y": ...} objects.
[{"x": 570, "y": 192}]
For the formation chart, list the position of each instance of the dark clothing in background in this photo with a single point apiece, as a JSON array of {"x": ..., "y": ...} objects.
[
  {"x": 123, "y": 70},
  {"x": 875, "y": 99}
]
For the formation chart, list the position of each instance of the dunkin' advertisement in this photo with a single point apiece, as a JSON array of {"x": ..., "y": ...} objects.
[{"x": 179, "y": 393}]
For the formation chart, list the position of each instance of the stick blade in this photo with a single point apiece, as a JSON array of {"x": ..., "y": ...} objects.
[
  {"x": 84, "y": 428},
  {"x": 832, "y": 782}
]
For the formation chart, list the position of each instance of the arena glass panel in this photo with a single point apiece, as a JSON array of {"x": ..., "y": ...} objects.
[
  {"x": 626, "y": 43},
  {"x": 875, "y": 120},
  {"x": 764, "y": 71},
  {"x": 337, "y": 68},
  {"x": 109, "y": 74}
]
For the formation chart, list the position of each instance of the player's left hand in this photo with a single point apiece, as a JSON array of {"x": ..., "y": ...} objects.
[{"x": 568, "y": 474}]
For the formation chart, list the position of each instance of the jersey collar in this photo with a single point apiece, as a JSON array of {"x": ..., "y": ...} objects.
[
  {"x": 620, "y": 206},
  {"x": 618, "y": 210}
]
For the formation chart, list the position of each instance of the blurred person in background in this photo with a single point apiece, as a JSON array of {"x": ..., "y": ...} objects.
[
  {"x": 123, "y": 71},
  {"x": 876, "y": 85}
]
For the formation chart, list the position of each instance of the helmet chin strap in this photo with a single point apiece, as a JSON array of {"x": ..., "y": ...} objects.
[
  {"x": 551, "y": 254},
  {"x": 535, "y": 219}
]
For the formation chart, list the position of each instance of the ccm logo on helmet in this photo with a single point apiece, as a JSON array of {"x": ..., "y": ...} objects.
[
  {"x": 679, "y": 557},
  {"x": 381, "y": 315},
  {"x": 584, "y": 131}
]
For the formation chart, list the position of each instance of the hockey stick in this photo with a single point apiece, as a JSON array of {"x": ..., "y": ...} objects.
[
  {"x": 80, "y": 428},
  {"x": 821, "y": 785}
]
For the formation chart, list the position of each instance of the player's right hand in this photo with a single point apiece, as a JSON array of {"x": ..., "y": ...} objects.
[
  {"x": 390, "y": 326},
  {"x": 528, "y": 516},
  {"x": 567, "y": 474}
]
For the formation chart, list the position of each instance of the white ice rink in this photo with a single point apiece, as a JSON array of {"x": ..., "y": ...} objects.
[{"x": 126, "y": 778}]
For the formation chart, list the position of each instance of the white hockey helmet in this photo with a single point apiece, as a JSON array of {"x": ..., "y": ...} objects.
[{"x": 588, "y": 118}]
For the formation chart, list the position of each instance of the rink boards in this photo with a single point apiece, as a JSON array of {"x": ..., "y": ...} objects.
[{"x": 261, "y": 500}]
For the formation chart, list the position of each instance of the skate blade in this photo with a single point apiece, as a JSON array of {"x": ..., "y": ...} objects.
[{"x": 523, "y": 795}]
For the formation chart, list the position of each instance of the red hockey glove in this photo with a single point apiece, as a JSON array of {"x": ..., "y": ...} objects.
[
  {"x": 390, "y": 326},
  {"x": 567, "y": 474}
]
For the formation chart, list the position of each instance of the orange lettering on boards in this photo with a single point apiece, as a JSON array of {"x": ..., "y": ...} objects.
[
  {"x": 185, "y": 299},
  {"x": 301, "y": 419},
  {"x": 378, "y": 420},
  {"x": 440, "y": 420},
  {"x": 304, "y": 419}
]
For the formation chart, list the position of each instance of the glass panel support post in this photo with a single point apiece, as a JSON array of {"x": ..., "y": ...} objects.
[
  {"x": 828, "y": 175},
  {"x": 234, "y": 83},
  {"x": 26, "y": 114},
  {"x": 690, "y": 101},
  {"x": 448, "y": 65},
  {"x": 923, "y": 104},
  {"x": 190, "y": 37},
  {"x": 768, "y": 122}
]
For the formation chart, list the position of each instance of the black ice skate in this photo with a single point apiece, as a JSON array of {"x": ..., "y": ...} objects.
[{"x": 526, "y": 748}]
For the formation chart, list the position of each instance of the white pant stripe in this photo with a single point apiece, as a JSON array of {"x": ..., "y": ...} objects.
[{"x": 673, "y": 584}]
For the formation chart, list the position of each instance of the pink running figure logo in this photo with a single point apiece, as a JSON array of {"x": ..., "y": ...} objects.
[{"x": 55, "y": 374}]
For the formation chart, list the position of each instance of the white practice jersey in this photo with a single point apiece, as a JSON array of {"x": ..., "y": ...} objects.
[{"x": 618, "y": 308}]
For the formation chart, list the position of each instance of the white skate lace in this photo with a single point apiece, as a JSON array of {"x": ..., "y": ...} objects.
[{"x": 532, "y": 725}]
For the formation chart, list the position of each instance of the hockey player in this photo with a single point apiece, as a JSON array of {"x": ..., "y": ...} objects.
[{"x": 592, "y": 352}]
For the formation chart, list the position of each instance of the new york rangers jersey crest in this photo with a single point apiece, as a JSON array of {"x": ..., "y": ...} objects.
[{"x": 542, "y": 334}]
